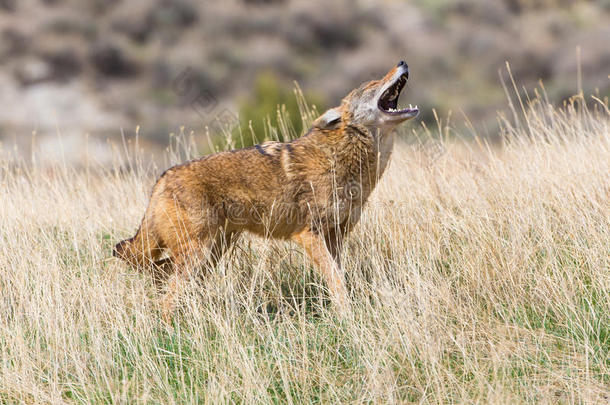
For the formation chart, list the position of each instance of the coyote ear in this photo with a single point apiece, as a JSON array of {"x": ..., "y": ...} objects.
[{"x": 329, "y": 120}]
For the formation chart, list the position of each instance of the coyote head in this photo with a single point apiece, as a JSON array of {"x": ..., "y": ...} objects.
[{"x": 373, "y": 104}]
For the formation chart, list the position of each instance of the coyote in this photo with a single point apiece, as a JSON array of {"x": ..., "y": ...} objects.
[{"x": 310, "y": 190}]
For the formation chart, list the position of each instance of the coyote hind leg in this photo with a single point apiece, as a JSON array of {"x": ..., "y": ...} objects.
[
  {"x": 334, "y": 243},
  {"x": 161, "y": 270},
  {"x": 186, "y": 261}
]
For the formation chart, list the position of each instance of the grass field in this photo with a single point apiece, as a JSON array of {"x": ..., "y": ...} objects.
[{"x": 479, "y": 274}]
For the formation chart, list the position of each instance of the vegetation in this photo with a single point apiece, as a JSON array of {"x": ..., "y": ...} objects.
[
  {"x": 268, "y": 95},
  {"x": 479, "y": 274}
]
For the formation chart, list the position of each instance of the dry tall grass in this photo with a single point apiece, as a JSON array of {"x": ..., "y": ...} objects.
[{"x": 478, "y": 274}]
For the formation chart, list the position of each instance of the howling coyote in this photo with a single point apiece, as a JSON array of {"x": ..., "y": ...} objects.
[{"x": 311, "y": 191}]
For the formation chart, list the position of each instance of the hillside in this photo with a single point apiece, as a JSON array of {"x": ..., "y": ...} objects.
[{"x": 74, "y": 68}]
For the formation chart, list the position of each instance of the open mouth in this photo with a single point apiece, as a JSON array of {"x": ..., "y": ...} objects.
[{"x": 388, "y": 102}]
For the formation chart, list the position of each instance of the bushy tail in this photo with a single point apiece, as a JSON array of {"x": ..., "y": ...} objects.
[{"x": 139, "y": 251}]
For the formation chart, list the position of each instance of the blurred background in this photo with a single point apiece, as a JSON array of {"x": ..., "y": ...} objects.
[{"x": 78, "y": 73}]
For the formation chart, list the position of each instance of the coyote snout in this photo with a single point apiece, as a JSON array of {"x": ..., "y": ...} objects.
[{"x": 311, "y": 191}]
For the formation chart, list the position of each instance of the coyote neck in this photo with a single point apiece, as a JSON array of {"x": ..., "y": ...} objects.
[
  {"x": 362, "y": 155},
  {"x": 384, "y": 145}
]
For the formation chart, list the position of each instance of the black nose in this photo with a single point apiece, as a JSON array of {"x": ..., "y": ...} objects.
[{"x": 403, "y": 63}]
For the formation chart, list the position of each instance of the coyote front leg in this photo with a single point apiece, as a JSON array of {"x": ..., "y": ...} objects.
[{"x": 315, "y": 247}]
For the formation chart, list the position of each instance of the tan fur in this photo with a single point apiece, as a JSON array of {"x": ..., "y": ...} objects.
[{"x": 310, "y": 191}]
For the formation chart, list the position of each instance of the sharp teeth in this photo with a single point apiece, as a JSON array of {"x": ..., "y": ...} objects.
[
  {"x": 416, "y": 106},
  {"x": 410, "y": 106}
]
